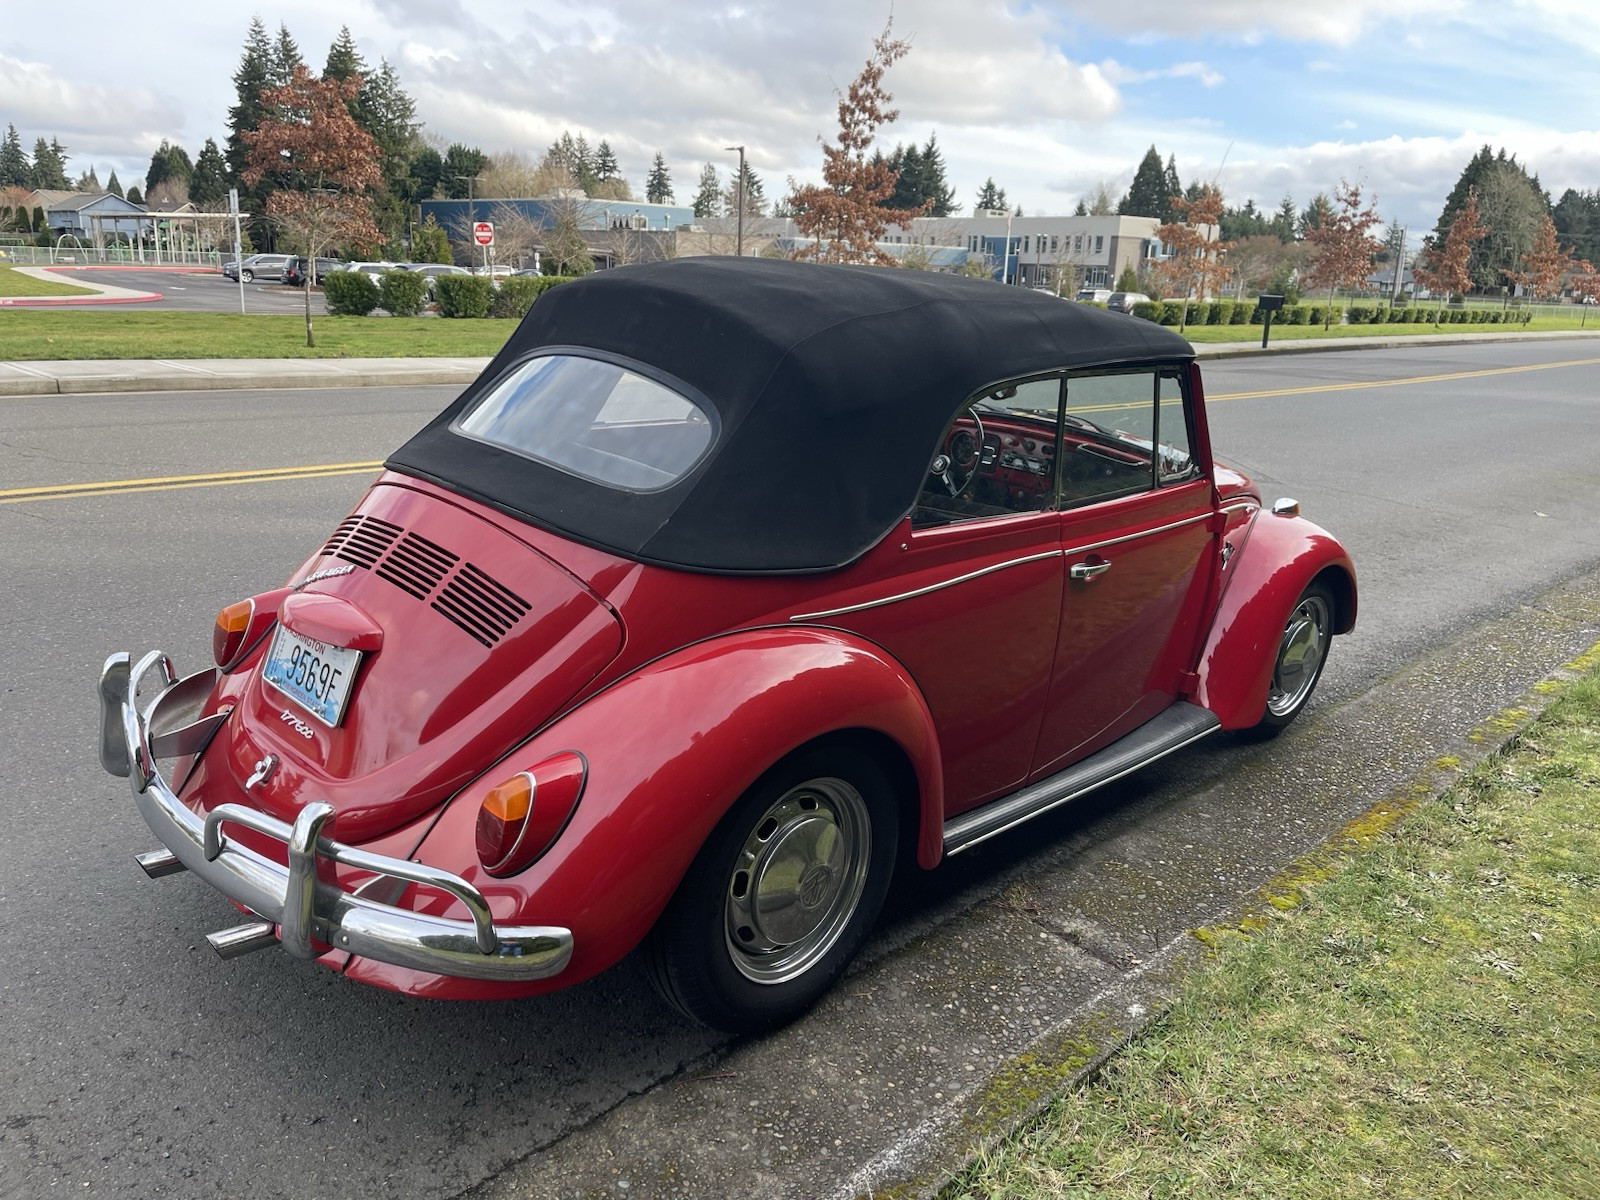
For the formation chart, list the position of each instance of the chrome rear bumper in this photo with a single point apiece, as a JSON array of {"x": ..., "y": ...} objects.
[{"x": 305, "y": 910}]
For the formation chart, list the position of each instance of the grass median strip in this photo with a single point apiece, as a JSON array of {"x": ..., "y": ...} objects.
[
  {"x": 163, "y": 483},
  {"x": 14, "y": 283},
  {"x": 44, "y": 335},
  {"x": 1425, "y": 1023}
]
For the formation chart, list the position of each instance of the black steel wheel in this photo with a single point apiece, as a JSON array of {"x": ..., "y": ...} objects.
[{"x": 781, "y": 895}]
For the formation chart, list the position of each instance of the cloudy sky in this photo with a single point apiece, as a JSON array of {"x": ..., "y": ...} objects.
[{"x": 1048, "y": 98}]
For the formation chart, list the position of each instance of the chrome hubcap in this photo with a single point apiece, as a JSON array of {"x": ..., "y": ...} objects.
[
  {"x": 797, "y": 880},
  {"x": 1300, "y": 654}
]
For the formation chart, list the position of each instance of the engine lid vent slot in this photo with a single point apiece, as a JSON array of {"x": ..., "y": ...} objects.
[
  {"x": 416, "y": 565},
  {"x": 362, "y": 540},
  {"x": 480, "y": 605}
]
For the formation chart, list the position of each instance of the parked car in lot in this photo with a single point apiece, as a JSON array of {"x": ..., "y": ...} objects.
[
  {"x": 727, "y": 585},
  {"x": 1123, "y": 302},
  {"x": 434, "y": 270},
  {"x": 1097, "y": 295},
  {"x": 294, "y": 272},
  {"x": 374, "y": 269},
  {"x": 256, "y": 266}
]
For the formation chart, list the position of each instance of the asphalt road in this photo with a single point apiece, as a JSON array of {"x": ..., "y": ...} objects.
[
  {"x": 197, "y": 291},
  {"x": 138, "y": 1064}
]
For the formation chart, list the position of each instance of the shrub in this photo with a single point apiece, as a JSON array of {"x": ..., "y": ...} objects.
[
  {"x": 350, "y": 293},
  {"x": 402, "y": 293},
  {"x": 1295, "y": 314},
  {"x": 1150, "y": 310},
  {"x": 1220, "y": 313},
  {"x": 463, "y": 295},
  {"x": 1240, "y": 313},
  {"x": 518, "y": 292},
  {"x": 1171, "y": 312},
  {"x": 1319, "y": 314},
  {"x": 1359, "y": 314},
  {"x": 1256, "y": 315}
]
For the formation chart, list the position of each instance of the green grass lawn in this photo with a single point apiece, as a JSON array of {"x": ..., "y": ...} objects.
[
  {"x": 44, "y": 334},
  {"x": 14, "y": 283},
  {"x": 1425, "y": 1024}
]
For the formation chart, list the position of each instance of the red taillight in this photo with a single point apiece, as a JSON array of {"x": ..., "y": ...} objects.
[
  {"x": 521, "y": 818},
  {"x": 228, "y": 634}
]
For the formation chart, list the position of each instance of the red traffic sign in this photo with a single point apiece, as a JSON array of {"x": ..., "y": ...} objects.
[{"x": 483, "y": 233}]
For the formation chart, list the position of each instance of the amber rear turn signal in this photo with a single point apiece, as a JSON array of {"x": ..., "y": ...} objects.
[
  {"x": 521, "y": 818},
  {"x": 227, "y": 636}
]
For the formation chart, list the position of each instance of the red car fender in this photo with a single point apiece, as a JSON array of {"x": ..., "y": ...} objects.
[
  {"x": 669, "y": 749},
  {"x": 1280, "y": 556}
]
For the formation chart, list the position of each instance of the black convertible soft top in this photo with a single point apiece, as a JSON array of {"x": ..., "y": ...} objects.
[{"x": 832, "y": 386}]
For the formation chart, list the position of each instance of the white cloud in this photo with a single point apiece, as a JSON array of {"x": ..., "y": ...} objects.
[
  {"x": 1119, "y": 74},
  {"x": 1339, "y": 23}
]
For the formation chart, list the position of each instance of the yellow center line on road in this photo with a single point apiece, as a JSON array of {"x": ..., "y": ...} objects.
[{"x": 163, "y": 483}]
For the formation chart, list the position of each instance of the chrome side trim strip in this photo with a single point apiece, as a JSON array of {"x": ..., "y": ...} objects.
[
  {"x": 1129, "y": 537},
  {"x": 923, "y": 591}
]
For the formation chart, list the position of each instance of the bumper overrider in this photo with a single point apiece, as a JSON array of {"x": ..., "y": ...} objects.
[{"x": 298, "y": 910}]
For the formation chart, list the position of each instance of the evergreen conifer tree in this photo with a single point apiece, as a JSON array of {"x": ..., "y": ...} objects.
[
  {"x": 15, "y": 169},
  {"x": 135, "y": 196},
  {"x": 208, "y": 185},
  {"x": 1286, "y": 221},
  {"x": 935, "y": 186},
  {"x": 344, "y": 60},
  {"x": 908, "y": 184},
  {"x": 605, "y": 163},
  {"x": 285, "y": 58},
  {"x": 1173, "y": 188},
  {"x": 49, "y": 165},
  {"x": 708, "y": 200},
  {"x": 113, "y": 184},
  {"x": 1147, "y": 195},
  {"x": 990, "y": 197},
  {"x": 658, "y": 186}
]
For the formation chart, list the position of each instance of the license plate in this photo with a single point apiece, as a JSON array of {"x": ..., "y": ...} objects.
[{"x": 313, "y": 674}]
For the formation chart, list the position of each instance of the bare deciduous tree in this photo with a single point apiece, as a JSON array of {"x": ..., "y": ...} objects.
[
  {"x": 1343, "y": 245},
  {"x": 322, "y": 161},
  {"x": 1445, "y": 267},
  {"x": 1196, "y": 261},
  {"x": 845, "y": 214}
]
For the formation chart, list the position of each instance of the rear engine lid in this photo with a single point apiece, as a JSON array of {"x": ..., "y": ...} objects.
[{"x": 459, "y": 639}]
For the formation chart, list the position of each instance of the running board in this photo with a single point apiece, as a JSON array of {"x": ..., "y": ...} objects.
[{"x": 1169, "y": 730}]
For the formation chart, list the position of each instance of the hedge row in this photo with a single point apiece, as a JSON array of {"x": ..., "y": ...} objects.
[
  {"x": 1229, "y": 312},
  {"x": 404, "y": 293}
]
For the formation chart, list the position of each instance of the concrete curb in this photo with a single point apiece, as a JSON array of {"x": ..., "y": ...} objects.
[{"x": 85, "y": 376}]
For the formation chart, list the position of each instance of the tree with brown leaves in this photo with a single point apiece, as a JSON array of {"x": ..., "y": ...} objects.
[
  {"x": 322, "y": 162},
  {"x": 846, "y": 215},
  {"x": 1443, "y": 267},
  {"x": 1343, "y": 245},
  {"x": 1546, "y": 262},
  {"x": 1195, "y": 265},
  {"x": 1586, "y": 287}
]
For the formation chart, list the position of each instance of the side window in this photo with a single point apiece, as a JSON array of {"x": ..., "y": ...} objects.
[
  {"x": 1175, "y": 462},
  {"x": 997, "y": 457},
  {"x": 1108, "y": 435}
]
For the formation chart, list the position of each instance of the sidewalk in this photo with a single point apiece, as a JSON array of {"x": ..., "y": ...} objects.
[{"x": 208, "y": 374}]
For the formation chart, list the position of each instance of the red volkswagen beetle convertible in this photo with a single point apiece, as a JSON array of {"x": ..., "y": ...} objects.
[{"x": 729, "y": 584}]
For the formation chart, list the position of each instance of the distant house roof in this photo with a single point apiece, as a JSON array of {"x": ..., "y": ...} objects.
[
  {"x": 172, "y": 207},
  {"x": 78, "y": 201}
]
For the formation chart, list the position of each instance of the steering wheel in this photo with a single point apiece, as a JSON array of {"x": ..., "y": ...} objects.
[{"x": 962, "y": 456}]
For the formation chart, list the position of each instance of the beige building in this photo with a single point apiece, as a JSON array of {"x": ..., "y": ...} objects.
[{"x": 1070, "y": 251}]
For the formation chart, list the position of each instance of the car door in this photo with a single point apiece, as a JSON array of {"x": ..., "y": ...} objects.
[
  {"x": 1137, "y": 536},
  {"x": 974, "y": 618}
]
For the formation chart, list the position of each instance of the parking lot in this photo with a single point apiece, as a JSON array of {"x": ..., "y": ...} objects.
[{"x": 198, "y": 290}]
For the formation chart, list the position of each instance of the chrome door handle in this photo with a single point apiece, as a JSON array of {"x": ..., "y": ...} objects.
[{"x": 1085, "y": 570}]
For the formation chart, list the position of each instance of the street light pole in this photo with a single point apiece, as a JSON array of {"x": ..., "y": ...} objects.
[{"x": 738, "y": 196}]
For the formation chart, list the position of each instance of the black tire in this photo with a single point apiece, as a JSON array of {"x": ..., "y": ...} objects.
[
  {"x": 713, "y": 957},
  {"x": 248, "y": 276},
  {"x": 1299, "y": 659}
]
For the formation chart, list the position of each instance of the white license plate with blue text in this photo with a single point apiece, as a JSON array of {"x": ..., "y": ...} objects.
[{"x": 313, "y": 674}]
